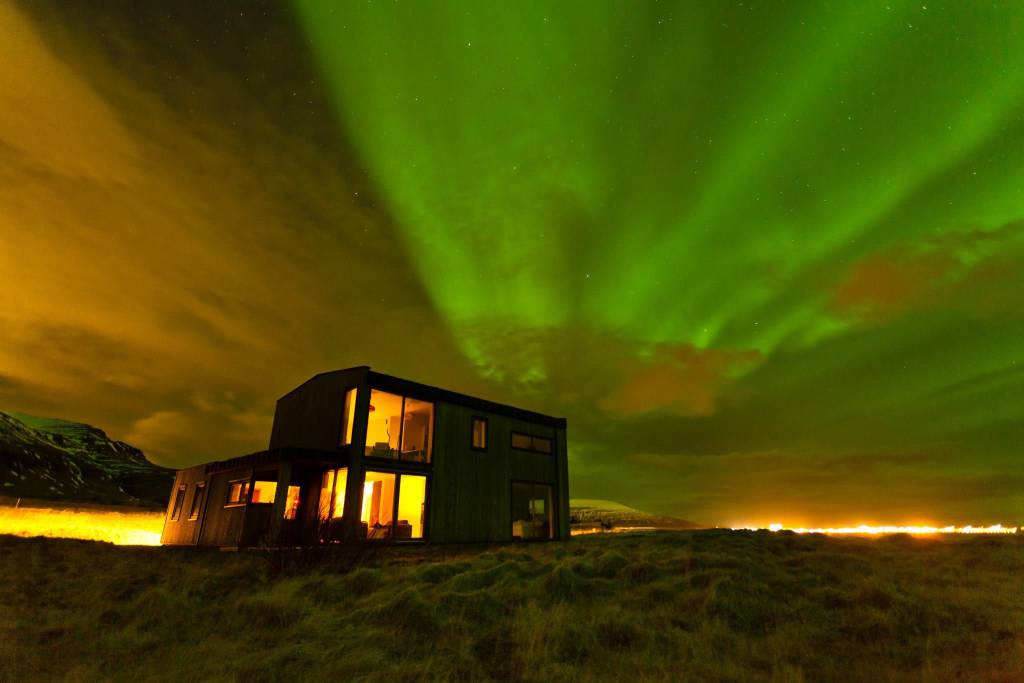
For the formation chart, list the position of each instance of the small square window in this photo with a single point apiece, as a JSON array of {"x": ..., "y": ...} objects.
[
  {"x": 264, "y": 492},
  {"x": 522, "y": 441},
  {"x": 479, "y": 440},
  {"x": 238, "y": 492}
]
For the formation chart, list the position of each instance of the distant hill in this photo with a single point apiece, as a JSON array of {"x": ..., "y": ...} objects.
[
  {"x": 55, "y": 459},
  {"x": 592, "y": 515}
]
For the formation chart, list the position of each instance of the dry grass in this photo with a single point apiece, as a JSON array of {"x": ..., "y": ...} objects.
[{"x": 673, "y": 606}]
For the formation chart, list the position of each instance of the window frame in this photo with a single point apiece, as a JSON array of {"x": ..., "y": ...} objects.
[
  {"x": 472, "y": 432},
  {"x": 398, "y": 474},
  {"x": 252, "y": 491},
  {"x": 247, "y": 488},
  {"x": 374, "y": 459},
  {"x": 552, "y": 513},
  {"x": 532, "y": 449},
  {"x": 179, "y": 502},
  {"x": 349, "y": 402},
  {"x": 195, "y": 512}
]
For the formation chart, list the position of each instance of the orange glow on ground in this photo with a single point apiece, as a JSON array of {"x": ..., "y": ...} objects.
[
  {"x": 881, "y": 530},
  {"x": 613, "y": 530},
  {"x": 121, "y": 528}
]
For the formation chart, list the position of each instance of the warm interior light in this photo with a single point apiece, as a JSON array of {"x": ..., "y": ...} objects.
[{"x": 873, "y": 530}]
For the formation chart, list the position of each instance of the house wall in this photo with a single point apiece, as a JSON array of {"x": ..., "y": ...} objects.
[
  {"x": 222, "y": 526},
  {"x": 183, "y": 531},
  {"x": 471, "y": 489},
  {"x": 311, "y": 415}
]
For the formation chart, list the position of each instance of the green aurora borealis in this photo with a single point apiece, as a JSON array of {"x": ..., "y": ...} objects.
[{"x": 766, "y": 257}]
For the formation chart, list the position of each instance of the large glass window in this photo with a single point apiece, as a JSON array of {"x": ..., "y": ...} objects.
[
  {"x": 416, "y": 424},
  {"x": 384, "y": 517},
  {"x": 383, "y": 425},
  {"x": 332, "y": 493},
  {"x": 399, "y": 428},
  {"x": 378, "y": 505},
  {"x": 412, "y": 506},
  {"x": 531, "y": 511},
  {"x": 348, "y": 417}
]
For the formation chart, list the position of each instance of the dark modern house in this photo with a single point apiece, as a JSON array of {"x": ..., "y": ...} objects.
[{"x": 359, "y": 456}]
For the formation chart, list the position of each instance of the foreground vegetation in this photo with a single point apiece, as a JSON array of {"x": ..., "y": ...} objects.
[{"x": 672, "y": 606}]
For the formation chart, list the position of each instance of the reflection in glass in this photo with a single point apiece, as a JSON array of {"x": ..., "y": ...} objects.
[{"x": 531, "y": 511}]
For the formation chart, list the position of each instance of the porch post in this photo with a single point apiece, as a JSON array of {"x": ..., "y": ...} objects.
[{"x": 284, "y": 479}]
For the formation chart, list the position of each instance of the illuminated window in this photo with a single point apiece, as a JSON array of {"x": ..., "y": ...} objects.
[
  {"x": 412, "y": 506},
  {"x": 348, "y": 417},
  {"x": 383, "y": 517},
  {"x": 332, "y": 493},
  {"x": 383, "y": 425},
  {"x": 179, "y": 501},
  {"x": 399, "y": 428},
  {"x": 531, "y": 511},
  {"x": 291, "y": 503},
  {"x": 378, "y": 505},
  {"x": 238, "y": 492},
  {"x": 416, "y": 424},
  {"x": 197, "y": 502},
  {"x": 264, "y": 491},
  {"x": 479, "y": 439},
  {"x": 331, "y": 507},
  {"x": 525, "y": 442}
]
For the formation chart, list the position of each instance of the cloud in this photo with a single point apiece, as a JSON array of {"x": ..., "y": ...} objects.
[
  {"x": 166, "y": 238},
  {"x": 975, "y": 270},
  {"x": 679, "y": 379},
  {"x": 179, "y": 437}
]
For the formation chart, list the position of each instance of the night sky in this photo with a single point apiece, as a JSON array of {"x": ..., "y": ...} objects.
[{"x": 767, "y": 258}]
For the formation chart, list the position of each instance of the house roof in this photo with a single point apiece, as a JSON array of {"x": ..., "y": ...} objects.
[
  {"x": 379, "y": 380},
  {"x": 272, "y": 456}
]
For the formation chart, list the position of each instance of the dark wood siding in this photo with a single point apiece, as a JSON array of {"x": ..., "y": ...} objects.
[
  {"x": 470, "y": 489},
  {"x": 183, "y": 531},
  {"x": 311, "y": 415},
  {"x": 222, "y": 526}
]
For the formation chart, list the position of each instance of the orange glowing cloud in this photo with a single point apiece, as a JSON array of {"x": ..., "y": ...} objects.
[{"x": 680, "y": 379}]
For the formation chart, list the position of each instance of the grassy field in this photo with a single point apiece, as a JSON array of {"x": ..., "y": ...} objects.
[{"x": 670, "y": 606}]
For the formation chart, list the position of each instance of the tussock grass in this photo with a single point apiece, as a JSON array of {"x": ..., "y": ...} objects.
[{"x": 673, "y": 606}]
